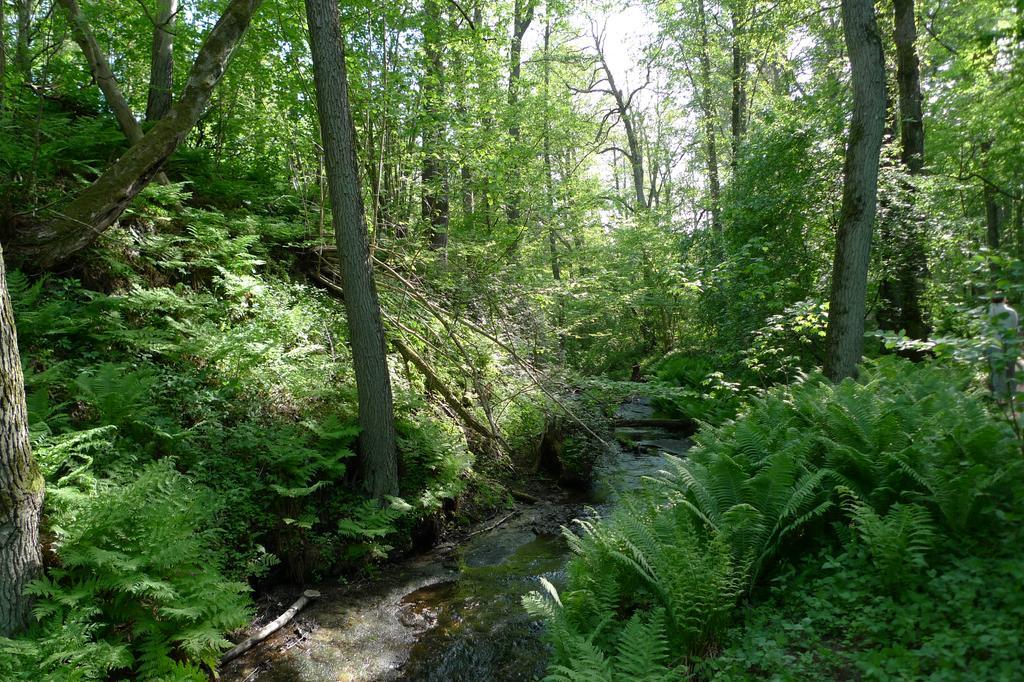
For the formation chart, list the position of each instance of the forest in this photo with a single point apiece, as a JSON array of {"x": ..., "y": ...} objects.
[{"x": 574, "y": 340}]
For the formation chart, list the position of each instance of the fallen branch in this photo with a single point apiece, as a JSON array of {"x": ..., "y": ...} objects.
[
  {"x": 490, "y": 527},
  {"x": 439, "y": 315},
  {"x": 523, "y": 496},
  {"x": 435, "y": 383},
  {"x": 271, "y": 627}
]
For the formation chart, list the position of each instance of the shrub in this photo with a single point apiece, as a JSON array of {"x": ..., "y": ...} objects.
[
  {"x": 137, "y": 582},
  {"x": 905, "y": 456}
]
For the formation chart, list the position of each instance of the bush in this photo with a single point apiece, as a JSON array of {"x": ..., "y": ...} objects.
[
  {"x": 137, "y": 586},
  {"x": 887, "y": 466}
]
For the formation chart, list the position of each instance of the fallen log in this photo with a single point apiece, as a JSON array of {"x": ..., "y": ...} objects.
[
  {"x": 270, "y": 628},
  {"x": 521, "y": 496}
]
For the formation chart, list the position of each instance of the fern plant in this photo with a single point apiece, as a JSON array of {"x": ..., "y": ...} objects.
[
  {"x": 643, "y": 561},
  {"x": 136, "y": 567},
  {"x": 898, "y": 540},
  {"x": 905, "y": 454}
]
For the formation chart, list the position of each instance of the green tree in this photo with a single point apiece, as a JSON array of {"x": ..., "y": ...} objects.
[{"x": 362, "y": 307}]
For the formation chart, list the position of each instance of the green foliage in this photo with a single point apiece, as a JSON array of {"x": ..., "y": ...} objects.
[
  {"x": 898, "y": 541},
  {"x": 137, "y": 571},
  {"x": 898, "y": 463},
  {"x": 644, "y": 561},
  {"x": 788, "y": 343},
  {"x": 827, "y": 619}
]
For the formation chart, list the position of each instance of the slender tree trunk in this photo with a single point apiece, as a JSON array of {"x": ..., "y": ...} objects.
[
  {"x": 1018, "y": 226},
  {"x": 908, "y": 78},
  {"x": 434, "y": 206},
  {"x": 23, "y": 39},
  {"x": 738, "y": 108},
  {"x": 104, "y": 76},
  {"x": 636, "y": 159},
  {"x": 100, "y": 204},
  {"x": 902, "y": 295},
  {"x": 101, "y": 71},
  {"x": 549, "y": 183},
  {"x": 624, "y": 107},
  {"x": 708, "y": 114},
  {"x": 161, "y": 66},
  {"x": 993, "y": 216},
  {"x": 21, "y": 484},
  {"x": 522, "y": 17},
  {"x": 3, "y": 52},
  {"x": 373, "y": 382},
  {"x": 845, "y": 335}
]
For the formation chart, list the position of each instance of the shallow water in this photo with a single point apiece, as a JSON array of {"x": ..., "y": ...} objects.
[{"x": 456, "y": 615}]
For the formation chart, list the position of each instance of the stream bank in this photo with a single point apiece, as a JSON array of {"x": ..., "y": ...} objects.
[{"x": 455, "y": 613}]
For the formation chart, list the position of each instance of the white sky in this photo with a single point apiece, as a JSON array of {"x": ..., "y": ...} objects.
[{"x": 628, "y": 29}]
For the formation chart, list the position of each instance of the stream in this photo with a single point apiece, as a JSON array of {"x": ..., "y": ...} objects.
[{"x": 454, "y": 614}]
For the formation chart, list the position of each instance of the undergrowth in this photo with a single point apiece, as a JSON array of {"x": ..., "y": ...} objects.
[
  {"x": 193, "y": 407},
  {"x": 902, "y": 480}
]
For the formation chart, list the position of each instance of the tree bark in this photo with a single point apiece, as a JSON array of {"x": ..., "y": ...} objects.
[
  {"x": 161, "y": 65},
  {"x": 377, "y": 447},
  {"x": 908, "y": 79},
  {"x": 738, "y": 108},
  {"x": 434, "y": 203},
  {"x": 3, "y": 52},
  {"x": 901, "y": 295},
  {"x": 1018, "y": 226},
  {"x": 21, "y": 483},
  {"x": 624, "y": 108},
  {"x": 845, "y": 334},
  {"x": 101, "y": 71},
  {"x": 708, "y": 114},
  {"x": 990, "y": 197},
  {"x": 104, "y": 75},
  {"x": 549, "y": 181},
  {"x": 23, "y": 40},
  {"x": 522, "y": 16},
  {"x": 99, "y": 205}
]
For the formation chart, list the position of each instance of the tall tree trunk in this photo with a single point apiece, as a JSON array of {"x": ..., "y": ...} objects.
[
  {"x": 23, "y": 39},
  {"x": 101, "y": 71},
  {"x": 845, "y": 335},
  {"x": 3, "y": 52},
  {"x": 549, "y": 183},
  {"x": 993, "y": 218},
  {"x": 1018, "y": 225},
  {"x": 624, "y": 108},
  {"x": 901, "y": 295},
  {"x": 104, "y": 75},
  {"x": 908, "y": 79},
  {"x": 708, "y": 114},
  {"x": 373, "y": 382},
  {"x": 522, "y": 17},
  {"x": 100, "y": 204},
  {"x": 738, "y": 108},
  {"x": 161, "y": 65},
  {"x": 434, "y": 206},
  {"x": 636, "y": 159},
  {"x": 21, "y": 483},
  {"x": 993, "y": 215}
]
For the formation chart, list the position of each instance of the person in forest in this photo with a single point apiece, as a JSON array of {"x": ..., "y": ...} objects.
[{"x": 1002, "y": 353}]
